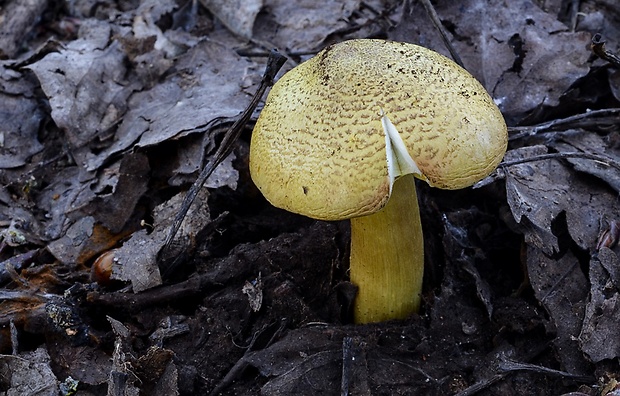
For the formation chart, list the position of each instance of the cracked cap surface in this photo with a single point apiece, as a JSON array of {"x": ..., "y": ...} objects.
[{"x": 319, "y": 148}]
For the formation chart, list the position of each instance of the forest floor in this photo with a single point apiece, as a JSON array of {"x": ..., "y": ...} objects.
[{"x": 110, "y": 109}]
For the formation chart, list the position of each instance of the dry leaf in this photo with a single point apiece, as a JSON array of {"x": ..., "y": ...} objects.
[
  {"x": 561, "y": 287},
  {"x": 302, "y": 25},
  {"x": 526, "y": 58},
  {"x": 539, "y": 191},
  {"x": 602, "y": 315},
  {"x": 28, "y": 374},
  {"x": 237, "y": 15}
]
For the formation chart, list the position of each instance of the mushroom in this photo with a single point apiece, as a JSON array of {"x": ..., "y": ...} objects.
[{"x": 342, "y": 135}]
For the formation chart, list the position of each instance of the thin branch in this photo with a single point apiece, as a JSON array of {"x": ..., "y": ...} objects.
[
  {"x": 594, "y": 115},
  {"x": 594, "y": 157},
  {"x": 482, "y": 384},
  {"x": 274, "y": 63},
  {"x": 497, "y": 174},
  {"x": 507, "y": 365},
  {"x": 432, "y": 14},
  {"x": 598, "y": 47}
]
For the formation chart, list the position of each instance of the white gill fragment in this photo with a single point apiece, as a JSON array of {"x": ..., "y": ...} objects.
[{"x": 399, "y": 161}]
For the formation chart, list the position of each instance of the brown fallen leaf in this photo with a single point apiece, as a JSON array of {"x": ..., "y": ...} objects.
[
  {"x": 539, "y": 191},
  {"x": 602, "y": 312},
  {"x": 303, "y": 25},
  {"x": 526, "y": 58},
  {"x": 585, "y": 141},
  {"x": 238, "y": 15},
  {"x": 562, "y": 288},
  {"x": 28, "y": 373}
]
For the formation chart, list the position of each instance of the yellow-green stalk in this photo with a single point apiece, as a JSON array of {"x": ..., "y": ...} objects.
[{"x": 387, "y": 257}]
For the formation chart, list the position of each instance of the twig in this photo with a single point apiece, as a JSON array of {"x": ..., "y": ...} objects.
[
  {"x": 384, "y": 14},
  {"x": 507, "y": 365},
  {"x": 598, "y": 158},
  {"x": 559, "y": 282},
  {"x": 480, "y": 385},
  {"x": 133, "y": 303},
  {"x": 497, "y": 174},
  {"x": 432, "y": 14},
  {"x": 598, "y": 47},
  {"x": 519, "y": 132},
  {"x": 274, "y": 63},
  {"x": 244, "y": 361},
  {"x": 499, "y": 371}
]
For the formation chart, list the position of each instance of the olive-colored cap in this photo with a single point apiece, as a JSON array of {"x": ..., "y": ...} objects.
[{"x": 339, "y": 128}]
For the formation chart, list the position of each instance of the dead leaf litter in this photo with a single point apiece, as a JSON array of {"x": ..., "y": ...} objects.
[{"x": 111, "y": 109}]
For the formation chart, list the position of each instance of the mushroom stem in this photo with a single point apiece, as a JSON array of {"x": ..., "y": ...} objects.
[{"x": 387, "y": 257}]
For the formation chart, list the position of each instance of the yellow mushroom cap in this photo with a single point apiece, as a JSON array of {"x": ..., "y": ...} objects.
[{"x": 319, "y": 145}]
